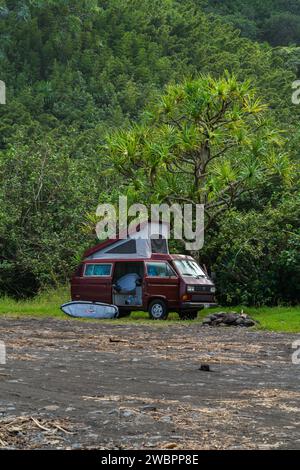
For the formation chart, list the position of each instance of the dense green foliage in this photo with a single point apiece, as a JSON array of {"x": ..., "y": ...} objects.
[
  {"x": 257, "y": 255},
  {"x": 77, "y": 69},
  {"x": 275, "y": 21},
  {"x": 43, "y": 199}
]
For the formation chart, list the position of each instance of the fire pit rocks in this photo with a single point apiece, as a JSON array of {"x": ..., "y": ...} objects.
[{"x": 228, "y": 319}]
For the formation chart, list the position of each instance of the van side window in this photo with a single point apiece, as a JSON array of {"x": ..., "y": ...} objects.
[
  {"x": 159, "y": 244},
  {"x": 97, "y": 270},
  {"x": 156, "y": 269},
  {"x": 127, "y": 247}
]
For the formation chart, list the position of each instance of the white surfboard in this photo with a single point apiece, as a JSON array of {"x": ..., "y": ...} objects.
[{"x": 82, "y": 309}]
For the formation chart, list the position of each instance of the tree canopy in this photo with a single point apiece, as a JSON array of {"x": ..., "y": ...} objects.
[
  {"x": 206, "y": 141},
  {"x": 275, "y": 21}
]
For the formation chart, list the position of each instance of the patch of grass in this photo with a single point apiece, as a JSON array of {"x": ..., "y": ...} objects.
[
  {"x": 47, "y": 304},
  {"x": 278, "y": 318}
]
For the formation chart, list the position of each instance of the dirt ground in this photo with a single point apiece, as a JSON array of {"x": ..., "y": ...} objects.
[{"x": 72, "y": 385}]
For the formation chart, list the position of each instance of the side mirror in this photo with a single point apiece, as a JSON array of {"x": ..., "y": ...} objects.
[
  {"x": 213, "y": 275},
  {"x": 205, "y": 269}
]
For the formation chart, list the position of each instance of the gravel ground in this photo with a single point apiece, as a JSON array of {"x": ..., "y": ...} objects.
[{"x": 69, "y": 385}]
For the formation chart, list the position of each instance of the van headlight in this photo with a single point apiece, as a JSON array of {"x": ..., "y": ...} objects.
[
  {"x": 212, "y": 290},
  {"x": 190, "y": 289}
]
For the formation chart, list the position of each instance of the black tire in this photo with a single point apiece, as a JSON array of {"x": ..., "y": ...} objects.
[
  {"x": 158, "y": 310},
  {"x": 188, "y": 315},
  {"x": 123, "y": 313}
]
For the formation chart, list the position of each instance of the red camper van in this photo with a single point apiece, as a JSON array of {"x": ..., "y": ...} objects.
[{"x": 139, "y": 274}]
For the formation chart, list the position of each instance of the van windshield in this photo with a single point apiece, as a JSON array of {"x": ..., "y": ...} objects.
[{"x": 189, "y": 268}]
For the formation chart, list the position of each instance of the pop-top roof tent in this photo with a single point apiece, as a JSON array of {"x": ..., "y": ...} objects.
[{"x": 148, "y": 238}]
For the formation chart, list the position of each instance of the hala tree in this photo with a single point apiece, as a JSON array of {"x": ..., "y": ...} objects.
[{"x": 205, "y": 141}]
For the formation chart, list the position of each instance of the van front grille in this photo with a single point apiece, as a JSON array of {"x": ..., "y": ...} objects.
[
  {"x": 202, "y": 288},
  {"x": 209, "y": 298}
]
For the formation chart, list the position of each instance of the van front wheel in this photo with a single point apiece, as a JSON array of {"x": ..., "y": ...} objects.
[{"x": 158, "y": 310}]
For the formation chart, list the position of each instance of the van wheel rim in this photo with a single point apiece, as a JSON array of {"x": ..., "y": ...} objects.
[{"x": 157, "y": 311}]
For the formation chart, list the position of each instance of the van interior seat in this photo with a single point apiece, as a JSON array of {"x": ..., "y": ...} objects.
[{"x": 128, "y": 283}]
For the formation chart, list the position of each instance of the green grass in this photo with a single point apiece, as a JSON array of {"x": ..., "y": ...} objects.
[
  {"x": 47, "y": 304},
  {"x": 285, "y": 319}
]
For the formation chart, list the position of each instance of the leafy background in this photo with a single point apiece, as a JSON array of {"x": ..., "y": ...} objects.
[{"x": 77, "y": 70}]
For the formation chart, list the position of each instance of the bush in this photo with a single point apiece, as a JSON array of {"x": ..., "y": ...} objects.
[
  {"x": 256, "y": 256},
  {"x": 44, "y": 197}
]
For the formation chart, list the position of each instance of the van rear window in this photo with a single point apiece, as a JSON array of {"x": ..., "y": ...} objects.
[{"x": 97, "y": 270}]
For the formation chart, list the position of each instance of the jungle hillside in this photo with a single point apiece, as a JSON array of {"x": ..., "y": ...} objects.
[{"x": 159, "y": 100}]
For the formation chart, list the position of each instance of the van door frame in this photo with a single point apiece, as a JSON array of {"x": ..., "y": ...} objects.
[
  {"x": 92, "y": 286},
  {"x": 161, "y": 281},
  {"x": 131, "y": 260}
]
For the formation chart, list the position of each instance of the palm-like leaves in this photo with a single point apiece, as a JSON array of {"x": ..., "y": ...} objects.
[{"x": 207, "y": 140}]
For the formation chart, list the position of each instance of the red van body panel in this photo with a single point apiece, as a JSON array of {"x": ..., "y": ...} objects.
[
  {"x": 92, "y": 288},
  {"x": 167, "y": 289}
]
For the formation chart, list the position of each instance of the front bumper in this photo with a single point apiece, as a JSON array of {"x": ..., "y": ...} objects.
[{"x": 196, "y": 305}]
